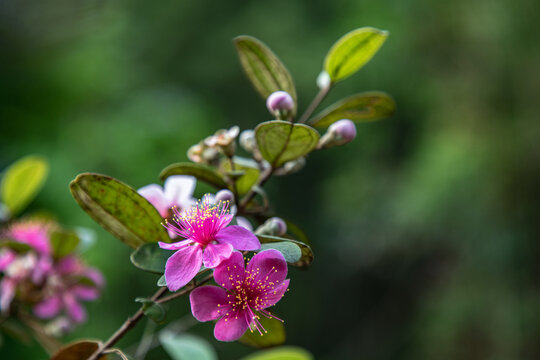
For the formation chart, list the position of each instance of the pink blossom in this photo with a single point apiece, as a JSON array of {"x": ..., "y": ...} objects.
[
  {"x": 246, "y": 293},
  {"x": 209, "y": 240},
  {"x": 31, "y": 232},
  {"x": 177, "y": 191},
  {"x": 64, "y": 290}
]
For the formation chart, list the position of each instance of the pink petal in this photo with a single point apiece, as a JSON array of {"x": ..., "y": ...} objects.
[
  {"x": 214, "y": 254},
  {"x": 182, "y": 266},
  {"x": 175, "y": 246},
  {"x": 41, "y": 269},
  {"x": 268, "y": 266},
  {"x": 209, "y": 303},
  {"x": 95, "y": 275},
  {"x": 155, "y": 196},
  {"x": 6, "y": 257},
  {"x": 74, "y": 309},
  {"x": 179, "y": 190},
  {"x": 85, "y": 292},
  {"x": 69, "y": 264},
  {"x": 49, "y": 307},
  {"x": 230, "y": 271},
  {"x": 231, "y": 328},
  {"x": 239, "y": 237},
  {"x": 272, "y": 297},
  {"x": 243, "y": 222},
  {"x": 7, "y": 292}
]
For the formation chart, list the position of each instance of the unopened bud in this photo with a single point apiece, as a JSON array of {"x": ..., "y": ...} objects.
[
  {"x": 290, "y": 167},
  {"x": 339, "y": 133},
  {"x": 247, "y": 140},
  {"x": 323, "y": 80},
  {"x": 225, "y": 195},
  {"x": 280, "y": 104},
  {"x": 274, "y": 226}
]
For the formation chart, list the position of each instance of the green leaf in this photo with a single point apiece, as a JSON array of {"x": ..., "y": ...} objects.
[
  {"x": 291, "y": 251},
  {"x": 15, "y": 245},
  {"x": 275, "y": 334},
  {"x": 63, "y": 243},
  {"x": 352, "y": 51},
  {"x": 367, "y": 106},
  {"x": 150, "y": 257},
  {"x": 281, "y": 353},
  {"x": 186, "y": 346},
  {"x": 298, "y": 233},
  {"x": 119, "y": 209},
  {"x": 307, "y": 254},
  {"x": 282, "y": 141},
  {"x": 78, "y": 350},
  {"x": 156, "y": 312},
  {"x": 22, "y": 181},
  {"x": 201, "y": 172},
  {"x": 161, "y": 281},
  {"x": 250, "y": 173},
  {"x": 266, "y": 72}
]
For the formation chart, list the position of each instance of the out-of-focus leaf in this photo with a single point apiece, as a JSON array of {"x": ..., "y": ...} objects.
[
  {"x": 281, "y": 141},
  {"x": 297, "y": 233},
  {"x": 275, "y": 334},
  {"x": 150, "y": 257},
  {"x": 161, "y": 281},
  {"x": 352, "y": 51},
  {"x": 266, "y": 72},
  {"x": 63, "y": 243},
  {"x": 307, "y": 255},
  {"x": 14, "y": 245},
  {"x": 281, "y": 353},
  {"x": 78, "y": 351},
  {"x": 249, "y": 176},
  {"x": 22, "y": 181},
  {"x": 153, "y": 310},
  {"x": 291, "y": 251},
  {"x": 186, "y": 346},
  {"x": 14, "y": 329},
  {"x": 118, "y": 353},
  {"x": 367, "y": 106},
  {"x": 201, "y": 172},
  {"x": 119, "y": 209}
]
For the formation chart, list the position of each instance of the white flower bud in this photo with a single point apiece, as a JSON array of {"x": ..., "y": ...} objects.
[
  {"x": 323, "y": 80},
  {"x": 225, "y": 195}
]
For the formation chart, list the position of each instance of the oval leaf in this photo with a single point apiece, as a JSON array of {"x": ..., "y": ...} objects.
[
  {"x": 78, "y": 350},
  {"x": 119, "y": 209},
  {"x": 63, "y": 243},
  {"x": 266, "y": 72},
  {"x": 368, "y": 106},
  {"x": 352, "y": 51},
  {"x": 275, "y": 334},
  {"x": 151, "y": 258},
  {"x": 250, "y": 173},
  {"x": 22, "y": 181},
  {"x": 282, "y": 141},
  {"x": 186, "y": 346},
  {"x": 281, "y": 353},
  {"x": 201, "y": 172},
  {"x": 306, "y": 253},
  {"x": 291, "y": 251}
]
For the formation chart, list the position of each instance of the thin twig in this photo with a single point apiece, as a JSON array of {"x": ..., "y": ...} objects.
[
  {"x": 315, "y": 103},
  {"x": 186, "y": 290}
]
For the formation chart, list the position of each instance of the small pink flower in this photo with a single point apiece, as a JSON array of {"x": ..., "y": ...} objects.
[
  {"x": 177, "y": 191},
  {"x": 246, "y": 294},
  {"x": 31, "y": 232},
  {"x": 63, "y": 290},
  {"x": 209, "y": 240}
]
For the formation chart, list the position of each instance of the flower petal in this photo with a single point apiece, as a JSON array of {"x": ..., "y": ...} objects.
[
  {"x": 268, "y": 266},
  {"x": 85, "y": 292},
  {"x": 239, "y": 237},
  {"x": 230, "y": 271},
  {"x": 74, "y": 309},
  {"x": 272, "y": 297},
  {"x": 243, "y": 222},
  {"x": 175, "y": 246},
  {"x": 7, "y": 292},
  {"x": 231, "y": 328},
  {"x": 6, "y": 257},
  {"x": 209, "y": 303},
  {"x": 155, "y": 196},
  {"x": 182, "y": 266},
  {"x": 95, "y": 275},
  {"x": 49, "y": 307},
  {"x": 179, "y": 190},
  {"x": 214, "y": 254}
]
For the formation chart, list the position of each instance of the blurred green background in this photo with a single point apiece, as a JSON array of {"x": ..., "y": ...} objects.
[{"x": 425, "y": 229}]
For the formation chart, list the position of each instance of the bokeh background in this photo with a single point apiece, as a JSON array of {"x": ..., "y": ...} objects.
[{"x": 425, "y": 229}]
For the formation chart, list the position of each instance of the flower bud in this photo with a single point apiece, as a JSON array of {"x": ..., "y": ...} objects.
[
  {"x": 247, "y": 140},
  {"x": 280, "y": 104},
  {"x": 274, "y": 226},
  {"x": 224, "y": 140},
  {"x": 323, "y": 80},
  {"x": 339, "y": 133},
  {"x": 200, "y": 153},
  {"x": 224, "y": 196},
  {"x": 290, "y": 167}
]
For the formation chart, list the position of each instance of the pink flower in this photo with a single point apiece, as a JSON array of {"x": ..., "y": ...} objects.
[
  {"x": 209, "y": 240},
  {"x": 177, "y": 191},
  {"x": 64, "y": 291},
  {"x": 247, "y": 293},
  {"x": 31, "y": 232}
]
